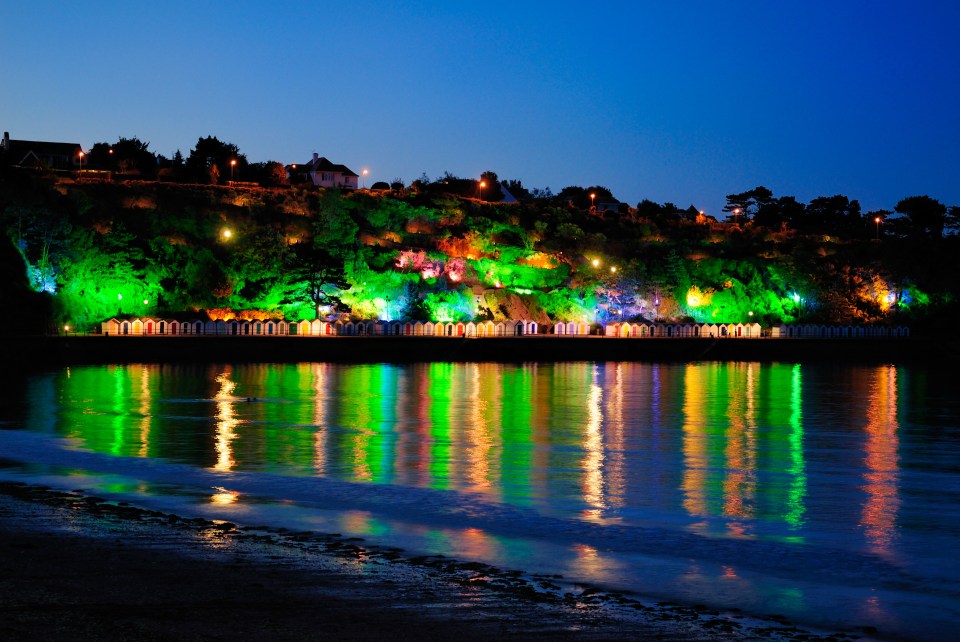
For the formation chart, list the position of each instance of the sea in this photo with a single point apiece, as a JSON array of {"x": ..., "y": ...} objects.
[{"x": 828, "y": 494}]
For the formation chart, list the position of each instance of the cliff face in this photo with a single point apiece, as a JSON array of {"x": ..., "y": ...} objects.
[{"x": 505, "y": 305}]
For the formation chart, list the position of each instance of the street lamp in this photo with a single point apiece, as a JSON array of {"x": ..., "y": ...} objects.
[
  {"x": 226, "y": 234},
  {"x": 81, "y": 164},
  {"x": 596, "y": 262},
  {"x": 877, "y": 221},
  {"x": 363, "y": 183},
  {"x": 736, "y": 216},
  {"x": 482, "y": 185},
  {"x": 592, "y": 197},
  {"x": 119, "y": 304},
  {"x": 233, "y": 163}
]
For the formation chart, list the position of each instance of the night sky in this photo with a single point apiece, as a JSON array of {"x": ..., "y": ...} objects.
[{"x": 680, "y": 102}]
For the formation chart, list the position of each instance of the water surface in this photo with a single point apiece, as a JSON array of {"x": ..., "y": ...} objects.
[{"x": 830, "y": 494}]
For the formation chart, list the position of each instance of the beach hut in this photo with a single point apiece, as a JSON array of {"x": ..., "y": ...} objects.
[
  {"x": 500, "y": 329},
  {"x": 418, "y": 329},
  {"x": 486, "y": 328},
  {"x": 470, "y": 329}
]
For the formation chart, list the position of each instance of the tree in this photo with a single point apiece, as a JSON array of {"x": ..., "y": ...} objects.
[
  {"x": 580, "y": 196},
  {"x": 211, "y": 154},
  {"x": 927, "y": 215},
  {"x": 268, "y": 174},
  {"x": 127, "y": 156},
  {"x": 775, "y": 213},
  {"x": 491, "y": 191},
  {"x": 745, "y": 205},
  {"x": 831, "y": 215}
]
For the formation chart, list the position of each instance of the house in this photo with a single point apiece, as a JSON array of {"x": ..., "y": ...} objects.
[
  {"x": 322, "y": 173},
  {"x": 41, "y": 154}
]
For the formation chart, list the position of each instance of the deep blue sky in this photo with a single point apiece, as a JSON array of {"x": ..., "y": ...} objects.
[{"x": 673, "y": 101}]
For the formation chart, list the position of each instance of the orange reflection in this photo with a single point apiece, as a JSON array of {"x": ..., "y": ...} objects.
[
  {"x": 695, "y": 462},
  {"x": 226, "y": 422},
  {"x": 145, "y": 397},
  {"x": 592, "y": 462},
  {"x": 739, "y": 486},
  {"x": 477, "y": 544},
  {"x": 882, "y": 476},
  {"x": 223, "y": 496},
  {"x": 479, "y": 431},
  {"x": 613, "y": 429}
]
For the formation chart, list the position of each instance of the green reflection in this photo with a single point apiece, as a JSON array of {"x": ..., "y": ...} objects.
[
  {"x": 798, "y": 482},
  {"x": 516, "y": 416},
  {"x": 722, "y": 442}
]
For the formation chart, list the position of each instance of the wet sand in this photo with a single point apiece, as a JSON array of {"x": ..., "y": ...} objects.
[{"x": 74, "y": 567}]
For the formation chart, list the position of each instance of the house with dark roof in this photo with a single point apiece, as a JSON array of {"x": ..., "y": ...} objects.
[
  {"x": 322, "y": 173},
  {"x": 40, "y": 154}
]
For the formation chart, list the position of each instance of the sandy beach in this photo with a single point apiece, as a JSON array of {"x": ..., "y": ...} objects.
[{"x": 76, "y": 567}]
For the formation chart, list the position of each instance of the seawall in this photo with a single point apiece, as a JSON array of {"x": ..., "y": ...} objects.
[{"x": 40, "y": 352}]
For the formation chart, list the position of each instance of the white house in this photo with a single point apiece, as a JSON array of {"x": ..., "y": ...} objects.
[{"x": 322, "y": 173}]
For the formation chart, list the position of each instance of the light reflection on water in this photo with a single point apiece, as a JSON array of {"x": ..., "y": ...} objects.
[{"x": 799, "y": 455}]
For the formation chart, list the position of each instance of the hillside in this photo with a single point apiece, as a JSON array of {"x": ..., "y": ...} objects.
[{"x": 99, "y": 249}]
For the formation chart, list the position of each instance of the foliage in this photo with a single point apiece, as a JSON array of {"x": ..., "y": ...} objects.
[
  {"x": 300, "y": 252},
  {"x": 210, "y": 161}
]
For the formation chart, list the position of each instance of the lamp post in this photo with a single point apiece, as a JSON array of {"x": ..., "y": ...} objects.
[
  {"x": 363, "y": 179},
  {"x": 481, "y": 186},
  {"x": 592, "y": 197},
  {"x": 736, "y": 216},
  {"x": 877, "y": 221},
  {"x": 80, "y": 173},
  {"x": 119, "y": 304},
  {"x": 233, "y": 163}
]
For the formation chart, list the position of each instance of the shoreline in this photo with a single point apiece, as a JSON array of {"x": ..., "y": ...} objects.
[
  {"x": 46, "y": 351},
  {"x": 86, "y": 568}
]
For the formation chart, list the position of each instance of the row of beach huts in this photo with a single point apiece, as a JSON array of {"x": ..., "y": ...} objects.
[{"x": 140, "y": 326}]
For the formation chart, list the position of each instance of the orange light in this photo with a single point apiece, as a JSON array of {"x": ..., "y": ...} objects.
[
  {"x": 483, "y": 183},
  {"x": 233, "y": 162}
]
